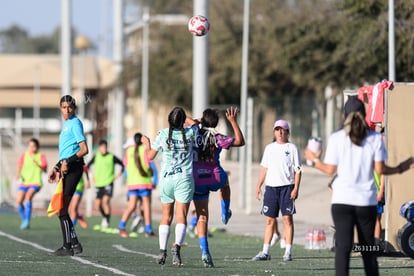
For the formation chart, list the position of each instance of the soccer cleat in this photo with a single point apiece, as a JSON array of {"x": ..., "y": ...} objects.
[
  {"x": 77, "y": 248},
  {"x": 25, "y": 224},
  {"x": 275, "y": 239},
  {"x": 63, "y": 251},
  {"x": 123, "y": 233},
  {"x": 261, "y": 257},
  {"x": 135, "y": 222},
  {"x": 287, "y": 257},
  {"x": 226, "y": 216},
  {"x": 207, "y": 260},
  {"x": 150, "y": 234},
  {"x": 82, "y": 223},
  {"x": 104, "y": 223},
  {"x": 162, "y": 256},
  {"x": 176, "y": 256}
]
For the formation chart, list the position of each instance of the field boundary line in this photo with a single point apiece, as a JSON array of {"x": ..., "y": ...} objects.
[
  {"x": 124, "y": 249},
  {"x": 79, "y": 259}
]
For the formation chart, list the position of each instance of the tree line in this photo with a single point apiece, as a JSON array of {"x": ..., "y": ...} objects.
[{"x": 295, "y": 48}]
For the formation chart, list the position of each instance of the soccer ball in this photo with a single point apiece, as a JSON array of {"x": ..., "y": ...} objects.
[{"x": 198, "y": 25}]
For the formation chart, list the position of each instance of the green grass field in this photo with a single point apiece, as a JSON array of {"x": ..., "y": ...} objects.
[{"x": 25, "y": 253}]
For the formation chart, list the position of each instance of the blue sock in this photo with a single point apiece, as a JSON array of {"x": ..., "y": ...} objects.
[
  {"x": 21, "y": 211},
  {"x": 122, "y": 224},
  {"x": 225, "y": 205},
  {"x": 28, "y": 210},
  {"x": 204, "y": 245},
  {"x": 74, "y": 222},
  {"x": 148, "y": 228},
  {"x": 193, "y": 221}
]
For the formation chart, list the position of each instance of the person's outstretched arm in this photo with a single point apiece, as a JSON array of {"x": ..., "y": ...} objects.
[{"x": 231, "y": 115}]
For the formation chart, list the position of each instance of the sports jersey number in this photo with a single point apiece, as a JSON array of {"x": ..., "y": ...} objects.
[{"x": 178, "y": 157}]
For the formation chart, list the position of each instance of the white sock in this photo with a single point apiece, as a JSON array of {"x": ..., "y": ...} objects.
[
  {"x": 266, "y": 248},
  {"x": 180, "y": 233},
  {"x": 288, "y": 249},
  {"x": 163, "y": 235}
]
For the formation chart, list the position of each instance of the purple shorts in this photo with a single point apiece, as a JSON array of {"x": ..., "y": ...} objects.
[
  {"x": 207, "y": 177},
  {"x": 278, "y": 199}
]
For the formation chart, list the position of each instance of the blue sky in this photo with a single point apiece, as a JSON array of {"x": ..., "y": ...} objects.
[{"x": 92, "y": 18}]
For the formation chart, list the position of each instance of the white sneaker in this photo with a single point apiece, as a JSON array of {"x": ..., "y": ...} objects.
[
  {"x": 275, "y": 239},
  {"x": 282, "y": 243},
  {"x": 104, "y": 223},
  {"x": 287, "y": 257}
]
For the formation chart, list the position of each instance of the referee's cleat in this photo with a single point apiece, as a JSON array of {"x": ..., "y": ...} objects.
[
  {"x": 226, "y": 216},
  {"x": 261, "y": 257},
  {"x": 176, "y": 256},
  {"x": 162, "y": 256},
  {"x": 207, "y": 260},
  {"x": 63, "y": 251},
  {"x": 77, "y": 248}
]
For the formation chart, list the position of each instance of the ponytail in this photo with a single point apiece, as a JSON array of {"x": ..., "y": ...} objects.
[{"x": 356, "y": 127}]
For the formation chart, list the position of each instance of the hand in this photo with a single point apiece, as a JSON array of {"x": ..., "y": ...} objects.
[
  {"x": 64, "y": 168},
  {"x": 310, "y": 155},
  {"x": 231, "y": 113},
  {"x": 294, "y": 194},
  {"x": 380, "y": 197},
  {"x": 258, "y": 192},
  {"x": 51, "y": 178},
  {"x": 407, "y": 164}
]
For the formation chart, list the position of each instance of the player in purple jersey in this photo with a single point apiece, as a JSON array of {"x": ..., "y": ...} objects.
[{"x": 208, "y": 173}]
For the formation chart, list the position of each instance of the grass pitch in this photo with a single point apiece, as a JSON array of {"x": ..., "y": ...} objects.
[{"x": 24, "y": 252}]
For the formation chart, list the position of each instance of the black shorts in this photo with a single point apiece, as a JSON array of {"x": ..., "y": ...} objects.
[
  {"x": 71, "y": 179},
  {"x": 106, "y": 190},
  {"x": 278, "y": 199}
]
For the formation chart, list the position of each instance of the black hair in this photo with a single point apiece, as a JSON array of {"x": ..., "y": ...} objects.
[
  {"x": 210, "y": 119},
  {"x": 35, "y": 141},
  {"x": 68, "y": 99},
  {"x": 176, "y": 120},
  {"x": 137, "y": 157},
  {"x": 103, "y": 142}
]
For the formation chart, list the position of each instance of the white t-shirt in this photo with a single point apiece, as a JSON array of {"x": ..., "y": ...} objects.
[
  {"x": 354, "y": 184},
  {"x": 282, "y": 162}
]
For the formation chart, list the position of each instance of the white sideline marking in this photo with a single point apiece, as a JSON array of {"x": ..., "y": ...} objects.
[
  {"x": 35, "y": 245},
  {"x": 123, "y": 249}
]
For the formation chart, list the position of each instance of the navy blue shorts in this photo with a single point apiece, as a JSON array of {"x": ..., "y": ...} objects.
[{"x": 278, "y": 199}]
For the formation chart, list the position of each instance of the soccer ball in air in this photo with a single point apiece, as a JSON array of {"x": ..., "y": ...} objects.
[{"x": 198, "y": 25}]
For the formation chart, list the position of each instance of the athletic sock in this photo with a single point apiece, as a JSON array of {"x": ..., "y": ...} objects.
[
  {"x": 204, "y": 245},
  {"x": 180, "y": 229},
  {"x": 288, "y": 249},
  {"x": 122, "y": 224},
  {"x": 148, "y": 228},
  {"x": 66, "y": 225},
  {"x": 193, "y": 222},
  {"x": 225, "y": 205},
  {"x": 21, "y": 211},
  {"x": 266, "y": 248},
  {"x": 163, "y": 235},
  {"x": 28, "y": 210},
  {"x": 108, "y": 217}
]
